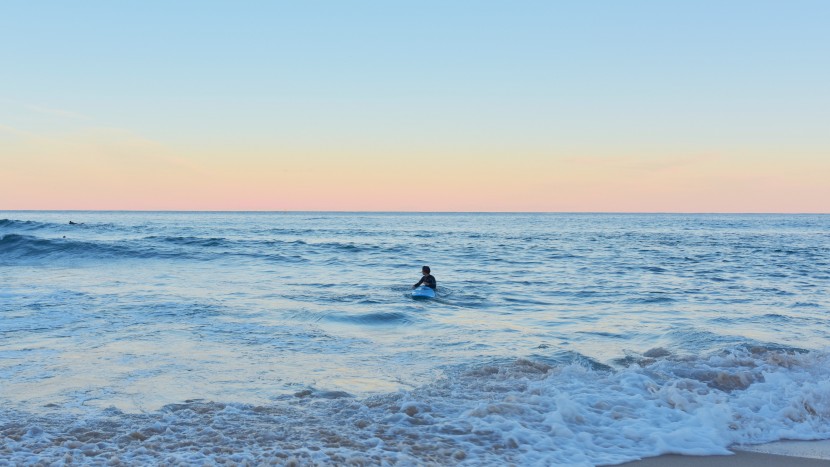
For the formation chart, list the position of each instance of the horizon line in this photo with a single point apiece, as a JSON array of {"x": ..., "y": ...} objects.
[{"x": 299, "y": 211}]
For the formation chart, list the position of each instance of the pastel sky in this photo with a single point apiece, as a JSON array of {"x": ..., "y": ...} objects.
[{"x": 600, "y": 106}]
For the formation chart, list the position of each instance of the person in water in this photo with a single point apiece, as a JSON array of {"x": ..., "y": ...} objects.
[{"x": 427, "y": 279}]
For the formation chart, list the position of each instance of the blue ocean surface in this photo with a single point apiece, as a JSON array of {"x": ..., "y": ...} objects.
[{"x": 555, "y": 339}]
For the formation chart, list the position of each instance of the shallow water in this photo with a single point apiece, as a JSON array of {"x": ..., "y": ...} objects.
[{"x": 555, "y": 338}]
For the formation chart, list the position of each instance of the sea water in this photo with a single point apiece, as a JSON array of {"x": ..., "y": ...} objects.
[{"x": 555, "y": 339}]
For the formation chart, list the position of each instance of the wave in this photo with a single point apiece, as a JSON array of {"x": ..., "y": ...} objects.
[
  {"x": 32, "y": 248},
  {"x": 351, "y": 247},
  {"x": 523, "y": 412},
  {"x": 22, "y": 225},
  {"x": 14, "y": 226},
  {"x": 16, "y": 246},
  {"x": 190, "y": 241},
  {"x": 379, "y": 318},
  {"x": 360, "y": 319},
  {"x": 259, "y": 245},
  {"x": 29, "y": 247}
]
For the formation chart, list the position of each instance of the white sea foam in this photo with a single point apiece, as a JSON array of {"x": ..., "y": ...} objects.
[{"x": 522, "y": 412}]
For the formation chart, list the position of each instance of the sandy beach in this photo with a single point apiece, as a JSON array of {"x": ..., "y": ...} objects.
[
  {"x": 782, "y": 453},
  {"x": 740, "y": 459}
]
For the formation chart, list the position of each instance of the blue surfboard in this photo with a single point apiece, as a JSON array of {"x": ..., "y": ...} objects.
[{"x": 423, "y": 292}]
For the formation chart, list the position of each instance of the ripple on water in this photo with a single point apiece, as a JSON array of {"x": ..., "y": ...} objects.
[{"x": 546, "y": 331}]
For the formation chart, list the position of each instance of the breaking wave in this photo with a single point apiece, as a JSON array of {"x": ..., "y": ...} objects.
[{"x": 524, "y": 411}]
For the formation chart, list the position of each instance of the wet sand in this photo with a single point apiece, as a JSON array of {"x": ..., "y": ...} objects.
[
  {"x": 740, "y": 459},
  {"x": 782, "y": 453}
]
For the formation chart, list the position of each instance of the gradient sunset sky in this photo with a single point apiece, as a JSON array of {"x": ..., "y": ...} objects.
[{"x": 601, "y": 106}]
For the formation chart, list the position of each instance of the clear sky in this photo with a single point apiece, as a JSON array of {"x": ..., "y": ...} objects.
[{"x": 668, "y": 106}]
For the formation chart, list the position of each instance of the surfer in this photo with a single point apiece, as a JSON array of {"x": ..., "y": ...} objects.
[{"x": 427, "y": 279}]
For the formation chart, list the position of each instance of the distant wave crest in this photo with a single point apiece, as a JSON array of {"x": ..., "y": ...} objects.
[
  {"x": 17, "y": 246},
  {"x": 21, "y": 225},
  {"x": 22, "y": 247},
  {"x": 191, "y": 241}
]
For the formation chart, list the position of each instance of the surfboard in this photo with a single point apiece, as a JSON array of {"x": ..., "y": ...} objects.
[{"x": 423, "y": 292}]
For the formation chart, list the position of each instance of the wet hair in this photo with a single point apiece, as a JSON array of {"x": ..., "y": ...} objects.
[{"x": 426, "y": 269}]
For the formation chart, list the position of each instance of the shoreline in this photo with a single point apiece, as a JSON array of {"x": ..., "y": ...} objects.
[{"x": 779, "y": 453}]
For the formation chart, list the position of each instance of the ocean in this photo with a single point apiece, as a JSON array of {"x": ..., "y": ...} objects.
[{"x": 136, "y": 338}]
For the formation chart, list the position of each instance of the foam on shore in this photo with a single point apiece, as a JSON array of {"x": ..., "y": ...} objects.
[
  {"x": 739, "y": 459},
  {"x": 524, "y": 412}
]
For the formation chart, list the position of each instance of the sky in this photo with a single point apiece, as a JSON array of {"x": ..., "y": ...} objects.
[{"x": 552, "y": 106}]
